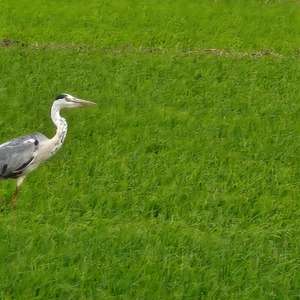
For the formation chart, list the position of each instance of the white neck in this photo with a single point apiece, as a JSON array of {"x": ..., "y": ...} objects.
[{"x": 62, "y": 128}]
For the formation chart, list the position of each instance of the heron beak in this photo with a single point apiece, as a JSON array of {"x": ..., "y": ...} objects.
[{"x": 84, "y": 102}]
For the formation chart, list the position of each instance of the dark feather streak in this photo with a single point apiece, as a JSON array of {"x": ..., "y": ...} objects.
[
  {"x": 62, "y": 96},
  {"x": 13, "y": 175},
  {"x": 4, "y": 169},
  {"x": 25, "y": 164}
]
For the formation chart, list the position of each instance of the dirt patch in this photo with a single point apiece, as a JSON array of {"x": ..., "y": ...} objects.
[
  {"x": 234, "y": 53},
  {"x": 9, "y": 43},
  {"x": 129, "y": 48}
]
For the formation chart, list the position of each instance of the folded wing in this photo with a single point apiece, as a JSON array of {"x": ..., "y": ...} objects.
[{"x": 17, "y": 154}]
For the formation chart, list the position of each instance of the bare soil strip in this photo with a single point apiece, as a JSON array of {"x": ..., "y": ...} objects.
[{"x": 9, "y": 43}]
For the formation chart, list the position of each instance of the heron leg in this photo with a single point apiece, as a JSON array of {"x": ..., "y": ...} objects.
[
  {"x": 19, "y": 182},
  {"x": 14, "y": 200}
]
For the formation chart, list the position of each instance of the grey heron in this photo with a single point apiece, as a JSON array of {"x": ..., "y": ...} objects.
[{"x": 20, "y": 156}]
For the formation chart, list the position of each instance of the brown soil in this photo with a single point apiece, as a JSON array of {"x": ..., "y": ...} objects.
[{"x": 129, "y": 48}]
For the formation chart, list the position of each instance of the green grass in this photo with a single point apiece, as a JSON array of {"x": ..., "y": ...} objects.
[{"x": 184, "y": 183}]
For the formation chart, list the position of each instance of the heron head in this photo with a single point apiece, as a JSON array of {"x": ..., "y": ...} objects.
[{"x": 68, "y": 101}]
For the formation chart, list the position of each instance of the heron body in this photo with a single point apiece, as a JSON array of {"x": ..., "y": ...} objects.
[{"x": 20, "y": 156}]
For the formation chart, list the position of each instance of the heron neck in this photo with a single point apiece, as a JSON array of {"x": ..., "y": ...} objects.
[{"x": 61, "y": 131}]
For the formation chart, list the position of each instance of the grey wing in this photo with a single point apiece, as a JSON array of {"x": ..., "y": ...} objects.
[{"x": 17, "y": 154}]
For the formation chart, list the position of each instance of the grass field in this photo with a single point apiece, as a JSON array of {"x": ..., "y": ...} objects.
[{"x": 184, "y": 182}]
